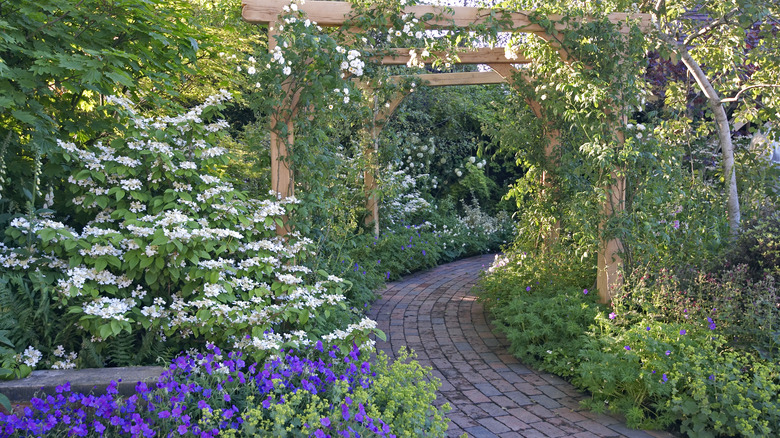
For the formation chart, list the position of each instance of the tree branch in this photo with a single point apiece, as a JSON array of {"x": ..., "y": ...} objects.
[
  {"x": 60, "y": 18},
  {"x": 710, "y": 27},
  {"x": 736, "y": 97}
]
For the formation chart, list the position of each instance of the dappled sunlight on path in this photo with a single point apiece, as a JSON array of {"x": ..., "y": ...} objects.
[{"x": 491, "y": 393}]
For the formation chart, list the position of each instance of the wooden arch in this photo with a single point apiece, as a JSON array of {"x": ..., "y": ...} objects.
[{"x": 336, "y": 13}]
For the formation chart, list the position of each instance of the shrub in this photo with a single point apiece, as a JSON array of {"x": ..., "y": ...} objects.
[
  {"x": 758, "y": 246},
  {"x": 746, "y": 311},
  {"x": 167, "y": 247}
]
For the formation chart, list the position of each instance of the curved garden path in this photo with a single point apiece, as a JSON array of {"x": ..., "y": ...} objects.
[{"x": 491, "y": 393}]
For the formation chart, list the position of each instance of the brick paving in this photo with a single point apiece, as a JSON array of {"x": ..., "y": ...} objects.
[{"x": 492, "y": 394}]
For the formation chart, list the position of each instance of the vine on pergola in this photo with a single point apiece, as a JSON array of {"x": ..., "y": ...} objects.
[{"x": 329, "y": 56}]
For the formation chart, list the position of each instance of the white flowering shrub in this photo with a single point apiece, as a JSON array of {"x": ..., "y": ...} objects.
[
  {"x": 175, "y": 249},
  {"x": 403, "y": 199}
]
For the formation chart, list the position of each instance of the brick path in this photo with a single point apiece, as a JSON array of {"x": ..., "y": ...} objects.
[{"x": 491, "y": 393}]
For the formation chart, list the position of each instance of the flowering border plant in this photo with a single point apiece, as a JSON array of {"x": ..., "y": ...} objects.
[
  {"x": 318, "y": 392},
  {"x": 172, "y": 247}
]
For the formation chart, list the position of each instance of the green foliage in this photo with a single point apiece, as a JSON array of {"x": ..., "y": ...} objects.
[
  {"x": 538, "y": 333},
  {"x": 401, "y": 394},
  {"x": 675, "y": 367},
  {"x": 183, "y": 255},
  {"x": 759, "y": 246},
  {"x": 29, "y": 310},
  {"x": 60, "y": 58},
  {"x": 679, "y": 348},
  {"x": 437, "y": 136}
]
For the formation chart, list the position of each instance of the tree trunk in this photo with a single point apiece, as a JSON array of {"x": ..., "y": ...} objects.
[{"x": 723, "y": 127}]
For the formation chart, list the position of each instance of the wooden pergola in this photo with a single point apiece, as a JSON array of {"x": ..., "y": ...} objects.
[{"x": 335, "y": 14}]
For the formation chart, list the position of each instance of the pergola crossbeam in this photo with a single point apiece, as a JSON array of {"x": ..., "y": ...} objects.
[
  {"x": 334, "y": 14},
  {"x": 484, "y": 55},
  {"x": 452, "y": 79}
]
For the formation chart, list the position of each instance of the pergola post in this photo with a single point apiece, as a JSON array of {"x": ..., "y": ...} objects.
[
  {"x": 369, "y": 177},
  {"x": 609, "y": 277},
  {"x": 281, "y": 174}
]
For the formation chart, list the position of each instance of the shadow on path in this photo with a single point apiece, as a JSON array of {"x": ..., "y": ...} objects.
[{"x": 491, "y": 393}]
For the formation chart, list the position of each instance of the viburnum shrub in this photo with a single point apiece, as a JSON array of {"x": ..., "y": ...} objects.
[
  {"x": 173, "y": 248},
  {"x": 318, "y": 392}
]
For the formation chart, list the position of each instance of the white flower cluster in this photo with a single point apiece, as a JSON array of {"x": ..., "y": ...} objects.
[
  {"x": 365, "y": 325},
  {"x": 477, "y": 221},
  {"x": 66, "y": 360},
  {"x": 403, "y": 198},
  {"x": 78, "y": 276},
  {"x": 416, "y": 60},
  {"x": 271, "y": 341},
  {"x": 193, "y": 115},
  {"x": 640, "y": 128},
  {"x": 30, "y": 357},
  {"x": 499, "y": 262},
  {"x": 109, "y": 308},
  {"x": 417, "y": 156},
  {"x": 410, "y": 29},
  {"x": 512, "y": 51}
]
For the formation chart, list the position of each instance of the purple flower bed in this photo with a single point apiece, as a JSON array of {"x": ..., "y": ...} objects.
[{"x": 207, "y": 395}]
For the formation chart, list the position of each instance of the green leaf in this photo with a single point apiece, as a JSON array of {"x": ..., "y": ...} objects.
[
  {"x": 151, "y": 276},
  {"x": 105, "y": 331},
  {"x": 116, "y": 327},
  {"x": 25, "y": 117},
  {"x": 4, "y": 340},
  {"x": 101, "y": 264}
]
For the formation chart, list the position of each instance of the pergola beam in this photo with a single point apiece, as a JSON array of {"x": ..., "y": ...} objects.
[
  {"x": 334, "y": 14},
  {"x": 484, "y": 55},
  {"x": 452, "y": 79}
]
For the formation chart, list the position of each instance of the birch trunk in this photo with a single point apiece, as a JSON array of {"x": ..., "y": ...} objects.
[
  {"x": 723, "y": 129},
  {"x": 724, "y": 135}
]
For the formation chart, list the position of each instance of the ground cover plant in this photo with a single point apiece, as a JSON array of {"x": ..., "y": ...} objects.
[
  {"x": 318, "y": 391},
  {"x": 697, "y": 355}
]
